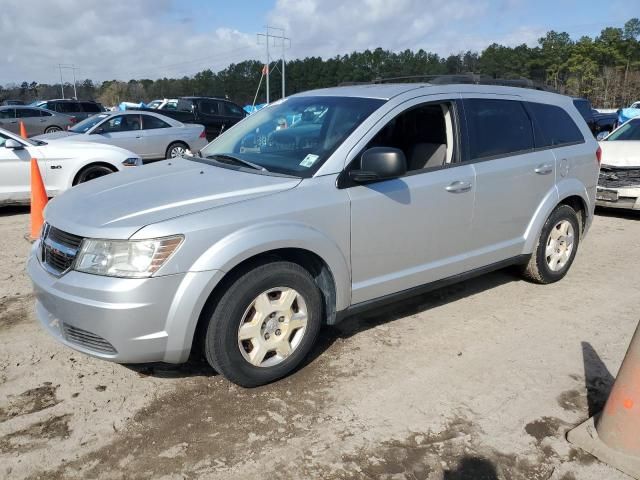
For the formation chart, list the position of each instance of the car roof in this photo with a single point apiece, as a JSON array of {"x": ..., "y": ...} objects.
[{"x": 387, "y": 91}]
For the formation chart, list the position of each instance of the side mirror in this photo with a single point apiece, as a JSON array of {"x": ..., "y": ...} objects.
[
  {"x": 98, "y": 131},
  {"x": 380, "y": 163},
  {"x": 13, "y": 144},
  {"x": 602, "y": 135}
]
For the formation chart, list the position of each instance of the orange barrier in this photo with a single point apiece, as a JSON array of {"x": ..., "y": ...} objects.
[
  {"x": 23, "y": 130},
  {"x": 38, "y": 200},
  {"x": 614, "y": 435}
]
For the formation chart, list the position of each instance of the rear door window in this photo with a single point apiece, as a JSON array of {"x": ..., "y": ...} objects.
[
  {"x": 67, "y": 107},
  {"x": 554, "y": 126},
  {"x": 7, "y": 113},
  {"x": 152, "y": 123},
  {"x": 90, "y": 107},
  {"x": 27, "y": 112},
  {"x": 497, "y": 127},
  {"x": 209, "y": 107}
]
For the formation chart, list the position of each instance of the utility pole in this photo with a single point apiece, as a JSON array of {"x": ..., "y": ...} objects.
[
  {"x": 73, "y": 68},
  {"x": 61, "y": 81},
  {"x": 268, "y": 36}
]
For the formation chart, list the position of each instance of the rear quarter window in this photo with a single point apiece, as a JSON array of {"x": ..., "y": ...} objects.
[
  {"x": 497, "y": 127},
  {"x": 554, "y": 126}
]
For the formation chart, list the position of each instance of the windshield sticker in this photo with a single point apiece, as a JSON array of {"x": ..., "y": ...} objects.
[{"x": 309, "y": 160}]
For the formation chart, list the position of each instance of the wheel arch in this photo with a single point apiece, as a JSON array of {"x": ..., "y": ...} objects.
[
  {"x": 568, "y": 192},
  {"x": 91, "y": 163},
  {"x": 307, "y": 259}
]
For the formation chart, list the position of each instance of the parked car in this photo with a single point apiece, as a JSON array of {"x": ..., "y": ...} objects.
[
  {"x": 62, "y": 165},
  {"x": 36, "y": 120},
  {"x": 149, "y": 135},
  {"x": 11, "y": 102},
  {"x": 79, "y": 109},
  {"x": 619, "y": 183},
  {"x": 378, "y": 192},
  {"x": 597, "y": 122},
  {"x": 216, "y": 114}
]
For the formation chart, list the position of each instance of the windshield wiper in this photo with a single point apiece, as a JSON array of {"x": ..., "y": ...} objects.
[{"x": 224, "y": 158}]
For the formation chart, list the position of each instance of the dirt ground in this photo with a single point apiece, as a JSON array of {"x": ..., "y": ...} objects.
[{"x": 478, "y": 381}]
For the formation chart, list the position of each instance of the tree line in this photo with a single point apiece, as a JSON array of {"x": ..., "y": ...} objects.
[{"x": 605, "y": 69}]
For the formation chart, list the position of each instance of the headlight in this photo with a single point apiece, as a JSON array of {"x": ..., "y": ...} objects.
[
  {"x": 132, "y": 162},
  {"x": 125, "y": 258}
]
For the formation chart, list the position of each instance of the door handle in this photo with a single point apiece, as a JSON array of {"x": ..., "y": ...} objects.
[
  {"x": 458, "y": 187},
  {"x": 544, "y": 169}
]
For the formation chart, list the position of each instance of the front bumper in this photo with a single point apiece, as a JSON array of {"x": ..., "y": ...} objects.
[
  {"x": 625, "y": 197},
  {"x": 119, "y": 319}
]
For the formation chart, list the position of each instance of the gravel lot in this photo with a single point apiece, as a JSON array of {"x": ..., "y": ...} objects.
[{"x": 480, "y": 380}]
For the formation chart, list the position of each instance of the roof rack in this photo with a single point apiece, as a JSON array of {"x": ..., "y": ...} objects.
[{"x": 463, "y": 78}]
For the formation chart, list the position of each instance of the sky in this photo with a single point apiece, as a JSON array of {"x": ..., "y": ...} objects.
[{"x": 124, "y": 39}]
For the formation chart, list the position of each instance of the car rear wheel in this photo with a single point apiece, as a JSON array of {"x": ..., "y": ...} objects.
[
  {"x": 264, "y": 324},
  {"x": 92, "y": 172},
  {"x": 176, "y": 149},
  {"x": 52, "y": 129},
  {"x": 556, "y": 247}
]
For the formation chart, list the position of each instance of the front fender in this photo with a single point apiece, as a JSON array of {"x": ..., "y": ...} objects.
[{"x": 243, "y": 244}]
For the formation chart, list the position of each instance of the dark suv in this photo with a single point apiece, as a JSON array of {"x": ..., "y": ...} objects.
[
  {"x": 216, "y": 114},
  {"x": 80, "y": 109}
]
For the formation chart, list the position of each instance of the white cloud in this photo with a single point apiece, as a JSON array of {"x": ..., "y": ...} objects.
[
  {"x": 147, "y": 39},
  {"x": 109, "y": 39},
  {"x": 329, "y": 27}
]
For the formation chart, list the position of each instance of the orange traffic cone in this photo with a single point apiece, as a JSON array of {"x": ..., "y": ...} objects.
[
  {"x": 38, "y": 200},
  {"x": 614, "y": 435},
  {"x": 23, "y": 130}
]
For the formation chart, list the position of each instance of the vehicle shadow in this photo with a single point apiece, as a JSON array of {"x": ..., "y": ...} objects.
[
  {"x": 472, "y": 468},
  {"x": 618, "y": 213},
  {"x": 597, "y": 378},
  {"x": 197, "y": 366},
  {"x": 11, "y": 210},
  {"x": 419, "y": 304}
]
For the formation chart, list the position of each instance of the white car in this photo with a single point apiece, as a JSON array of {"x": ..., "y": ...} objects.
[
  {"x": 62, "y": 165},
  {"x": 148, "y": 134},
  {"x": 619, "y": 182}
]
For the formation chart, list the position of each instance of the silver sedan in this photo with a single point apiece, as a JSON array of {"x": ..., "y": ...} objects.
[
  {"x": 150, "y": 135},
  {"x": 36, "y": 120}
]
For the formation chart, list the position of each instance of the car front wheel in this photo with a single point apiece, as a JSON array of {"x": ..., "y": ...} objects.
[{"x": 264, "y": 324}]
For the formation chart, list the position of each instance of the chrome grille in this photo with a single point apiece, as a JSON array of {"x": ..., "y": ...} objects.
[
  {"x": 87, "y": 339},
  {"x": 619, "y": 177},
  {"x": 59, "y": 249}
]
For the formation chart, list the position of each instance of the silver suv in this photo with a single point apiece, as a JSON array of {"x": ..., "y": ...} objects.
[{"x": 315, "y": 208}]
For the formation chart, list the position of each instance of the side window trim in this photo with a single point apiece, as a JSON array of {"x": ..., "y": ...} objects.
[{"x": 343, "y": 180}]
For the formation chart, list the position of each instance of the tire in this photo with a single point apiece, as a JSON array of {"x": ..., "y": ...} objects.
[
  {"x": 251, "y": 296},
  {"x": 91, "y": 172},
  {"x": 548, "y": 264},
  {"x": 52, "y": 129},
  {"x": 176, "y": 149}
]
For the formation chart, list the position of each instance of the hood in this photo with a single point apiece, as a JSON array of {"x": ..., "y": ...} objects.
[
  {"x": 71, "y": 148},
  {"x": 55, "y": 135},
  {"x": 118, "y": 205},
  {"x": 621, "y": 153}
]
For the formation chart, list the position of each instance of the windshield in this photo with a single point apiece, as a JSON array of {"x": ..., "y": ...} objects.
[
  {"x": 294, "y": 136},
  {"x": 86, "y": 125},
  {"x": 628, "y": 131}
]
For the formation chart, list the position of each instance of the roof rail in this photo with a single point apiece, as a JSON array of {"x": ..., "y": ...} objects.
[{"x": 461, "y": 78}]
